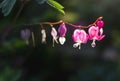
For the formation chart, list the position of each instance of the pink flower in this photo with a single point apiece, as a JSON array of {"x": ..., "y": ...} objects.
[
  {"x": 62, "y": 32},
  {"x": 100, "y": 24},
  {"x": 95, "y": 34},
  {"x": 54, "y": 34},
  {"x": 79, "y": 36}
]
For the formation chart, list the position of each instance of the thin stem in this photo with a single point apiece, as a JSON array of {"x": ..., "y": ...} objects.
[
  {"x": 33, "y": 39},
  {"x": 47, "y": 23},
  {"x": 94, "y": 23},
  {"x": 76, "y": 26},
  {"x": 59, "y": 22},
  {"x": 53, "y": 43},
  {"x": 19, "y": 11},
  {"x": 14, "y": 20},
  {"x": 52, "y": 23}
]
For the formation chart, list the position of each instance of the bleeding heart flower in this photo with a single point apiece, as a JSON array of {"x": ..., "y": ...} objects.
[
  {"x": 54, "y": 34},
  {"x": 43, "y": 36},
  {"x": 25, "y": 35},
  {"x": 62, "y": 32},
  {"x": 100, "y": 24},
  {"x": 79, "y": 36},
  {"x": 95, "y": 34}
]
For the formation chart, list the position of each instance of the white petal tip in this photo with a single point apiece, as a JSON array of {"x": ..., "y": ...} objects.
[
  {"x": 77, "y": 45},
  {"x": 62, "y": 40},
  {"x": 93, "y": 45}
]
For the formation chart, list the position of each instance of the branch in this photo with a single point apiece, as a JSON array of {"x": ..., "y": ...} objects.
[
  {"x": 59, "y": 22},
  {"x": 51, "y": 25}
]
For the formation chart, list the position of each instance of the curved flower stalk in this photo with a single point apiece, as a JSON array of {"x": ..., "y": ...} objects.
[
  {"x": 54, "y": 35},
  {"x": 25, "y": 35},
  {"x": 62, "y": 32},
  {"x": 79, "y": 36},
  {"x": 95, "y": 34}
]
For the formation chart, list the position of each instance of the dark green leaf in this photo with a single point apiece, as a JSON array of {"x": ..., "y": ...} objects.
[{"x": 7, "y": 6}]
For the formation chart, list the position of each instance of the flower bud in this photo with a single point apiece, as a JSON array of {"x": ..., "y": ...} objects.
[{"x": 100, "y": 24}]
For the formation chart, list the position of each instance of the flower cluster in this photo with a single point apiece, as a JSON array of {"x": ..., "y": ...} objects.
[
  {"x": 62, "y": 32},
  {"x": 94, "y": 32}
]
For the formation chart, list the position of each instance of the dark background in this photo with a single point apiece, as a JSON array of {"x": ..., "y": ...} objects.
[{"x": 21, "y": 62}]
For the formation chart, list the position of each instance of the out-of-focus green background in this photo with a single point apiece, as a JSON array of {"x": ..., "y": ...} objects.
[{"x": 21, "y": 62}]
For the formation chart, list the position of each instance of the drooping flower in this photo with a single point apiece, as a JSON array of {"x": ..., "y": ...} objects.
[
  {"x": 62, "y": 32},
  {"x": 25, "y": 35},
  {"x": 54, "y": 34},
  {"x": 79, "y": 36},
  {"x": 43, "y": 36},
  {"x": 95, "y": 34},
  {"x": 100, "y": 23}
]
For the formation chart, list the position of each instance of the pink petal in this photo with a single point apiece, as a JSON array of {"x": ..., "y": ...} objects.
[
  {"x": 54, "y": 33},
  {"x": 93, "y": 32},
  {"x": 62, "y": 30},
  {"x": 80, "y": 36},
  {"x": 75, "y": 35},
  {"x": 101, "y": 37}
]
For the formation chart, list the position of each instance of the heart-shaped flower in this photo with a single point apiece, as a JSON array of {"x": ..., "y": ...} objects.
[
  {"x": 95, "y": 34},
  {"x": 54, "y": 34},
  {"x": 79, "y": 36},
  {"x": 62, "y": 32}
]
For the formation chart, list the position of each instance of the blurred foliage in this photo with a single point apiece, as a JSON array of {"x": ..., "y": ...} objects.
[
  {"x": 56, "y": 5},
  {"x": 116, "y": 38},
  {"x": 21, "y": 62},
  {"x": 9, "y": 74},
  {"x": 7, "y": 5}
]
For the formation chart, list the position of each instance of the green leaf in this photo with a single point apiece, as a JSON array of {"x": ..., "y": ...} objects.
[
  {"x": 7, "y": 6},
  {"x": 56, "y": 5},
  {"x": 61, "y": 11}
]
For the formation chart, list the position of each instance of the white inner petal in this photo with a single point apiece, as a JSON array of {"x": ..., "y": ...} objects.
[
  {"x": 78, "y": 44},
  {"x": 93, "y": 43},
  {"x": 62, "y": 40}
]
